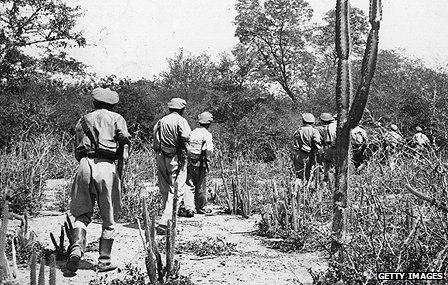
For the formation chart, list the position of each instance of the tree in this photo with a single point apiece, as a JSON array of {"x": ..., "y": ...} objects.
[
  {"x": 323, "y": 37},
  {"x": 278, "y": 34},
  {"x": 350, "y": 110},
  {"x": 47, "y": 25}
]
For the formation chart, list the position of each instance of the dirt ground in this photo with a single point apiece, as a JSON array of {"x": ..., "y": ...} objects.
[{"x": 251, "y": 262}]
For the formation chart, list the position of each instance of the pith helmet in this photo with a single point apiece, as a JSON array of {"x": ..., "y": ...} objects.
[
  {"x": 393, "y": 127},
  {"x": 326, "y": 117},
  {"x": 205, "y": 118},
  {"x": 105, "y": 95},
  {"x": 418, "y": 129},
  {"x": 308, "y": 118},
  {"x": 177, "y": 103}
]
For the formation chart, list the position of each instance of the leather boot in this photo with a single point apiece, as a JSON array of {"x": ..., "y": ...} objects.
[
  {"x": 77, "y": 249},
  {"x": 104, "y": 262}
]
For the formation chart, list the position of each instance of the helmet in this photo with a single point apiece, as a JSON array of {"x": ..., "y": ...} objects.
[
  {"x": 308, "y": 118},
  {"x": 177, "y": 103},
  {"x": 105, "y": 95},
  {"x": 393, "y": 127},
  {"x": 326, "y": 117},
  {"x": 205, "y": 118},
  {"x": 418, "y": 129}
]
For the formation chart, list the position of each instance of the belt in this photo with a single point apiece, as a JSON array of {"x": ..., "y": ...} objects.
[{"x": 95, "y": 155}]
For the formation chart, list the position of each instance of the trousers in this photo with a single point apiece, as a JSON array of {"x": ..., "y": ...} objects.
[
  {"x": 167, "y": 170},
  {"x": 302, "y": 164},
  {"x": 96, "y": 180},
  {"x": 196, "y": 183}
]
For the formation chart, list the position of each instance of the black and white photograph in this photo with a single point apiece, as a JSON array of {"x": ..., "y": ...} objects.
[{"x": 227, "y": 142}]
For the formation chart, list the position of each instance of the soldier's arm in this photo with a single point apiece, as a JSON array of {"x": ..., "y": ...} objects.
[
  {"x": 317, "y": 140},
  {"x": 122, "y": 136},
  {"x": 79, "y": 148},
  {"x": 209, "y": 147},
  {"x": 184, "y": 132}
]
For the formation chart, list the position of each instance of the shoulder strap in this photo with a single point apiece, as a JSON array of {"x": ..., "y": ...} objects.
[{"x": 88, "y": 132}]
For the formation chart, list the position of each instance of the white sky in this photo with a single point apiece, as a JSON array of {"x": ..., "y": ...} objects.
[{"x": 135, "y": 37}]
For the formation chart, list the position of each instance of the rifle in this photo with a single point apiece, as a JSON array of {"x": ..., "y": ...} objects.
[
  {"x": 122, "y": 155},
  {"x": 202, "y": 161}
]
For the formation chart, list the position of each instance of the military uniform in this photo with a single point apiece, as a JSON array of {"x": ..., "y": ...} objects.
[
  {"x": 358, "y": 138},
  {"x": 328, "y": 135},
  {"x": 393, "y": 141},
  {"x": 171, "y": 133},
  {"x": 99, "y": 134},
  {"x": 307, "y": 140},
  {"x": 419, "y": 140},
  {"x": 200, "y": 149}
]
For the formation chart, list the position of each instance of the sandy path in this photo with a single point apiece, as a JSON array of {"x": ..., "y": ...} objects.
[{"x": 252, "y": 263}]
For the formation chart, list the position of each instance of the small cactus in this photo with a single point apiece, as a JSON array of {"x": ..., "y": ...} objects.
[
  {"x": 42, "y": 272},
  {"x": 53, "y": 270},
  {"x": 33, "y": 268}
]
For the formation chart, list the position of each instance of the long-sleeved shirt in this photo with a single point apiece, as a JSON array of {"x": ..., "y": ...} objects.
[
  {"x": 108, "y": 128},
  {"x": 307, "y": 138},
  {"x": 174, "y": 133}
]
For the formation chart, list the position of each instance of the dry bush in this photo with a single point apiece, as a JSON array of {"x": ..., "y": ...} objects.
[
  {"x": 390, "y": 229},
  {"x": 27, "y": 164},
  {"x": 139, "y": 173}
]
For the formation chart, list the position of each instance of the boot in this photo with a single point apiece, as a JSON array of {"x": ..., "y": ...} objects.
[
  {"x": 104, "y": 263},
  {"x": 76, "y": 249}
]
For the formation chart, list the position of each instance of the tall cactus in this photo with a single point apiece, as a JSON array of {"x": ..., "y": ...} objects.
[
  {"x": 349, "y": 113},
  {"x": 33, "y": 269}
]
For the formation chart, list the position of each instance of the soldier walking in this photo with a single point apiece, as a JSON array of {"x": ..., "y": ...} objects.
[
  {"x": 199, "y": 152},
  {"x": 307, "y": 141},
  {"x": 419, "y": 140},
  {"x": 358, "y": 138},
  {"x": 393, "y": 141},
  {"x": 327, "y": 132},
  {"x": 102, "y": 137},
  {"x": 171, "y": 136}
]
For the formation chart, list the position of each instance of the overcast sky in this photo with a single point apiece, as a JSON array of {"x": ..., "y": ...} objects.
[{"x": 135, "y": 37}]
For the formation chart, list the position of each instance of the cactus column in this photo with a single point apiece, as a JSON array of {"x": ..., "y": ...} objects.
[{"x": 349, "y": 113}]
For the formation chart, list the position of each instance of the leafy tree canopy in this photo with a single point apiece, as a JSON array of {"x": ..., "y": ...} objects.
[{"x": 46, "y": 25}]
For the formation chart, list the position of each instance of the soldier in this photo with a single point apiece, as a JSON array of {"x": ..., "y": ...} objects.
[
  {"x": 358, "y": 138},
  {"x": 100, "y": 135},
  {"x": 171, "y": 136},
  {"x": 328, "y": 135},
  {"x": 393, "y": 141},
  {"x": 307, "y": 141},
  {"x": 419, "y": 140},
  {"x": 199, "y": 152}
]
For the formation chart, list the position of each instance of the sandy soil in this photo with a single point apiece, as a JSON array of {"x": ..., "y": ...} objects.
[{"x": 251, "y": 263}]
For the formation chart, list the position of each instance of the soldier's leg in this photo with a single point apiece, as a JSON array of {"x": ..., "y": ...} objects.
[
  {"x": 81, "y": 207},
  {"x": 298, "y": 168},
  {"x": 200, "y": 196},
  {"x": 172, "y": 165},
  {"x": 187, "y": 209},
  {"x": 107, "y": 185},
  {"x": 163, "y": 178}
]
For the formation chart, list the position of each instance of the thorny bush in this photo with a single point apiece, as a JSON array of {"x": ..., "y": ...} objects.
[{"x": 390, "y": 230}]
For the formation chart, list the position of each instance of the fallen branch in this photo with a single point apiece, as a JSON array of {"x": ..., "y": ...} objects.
[{"x": 439, "y": 205}]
